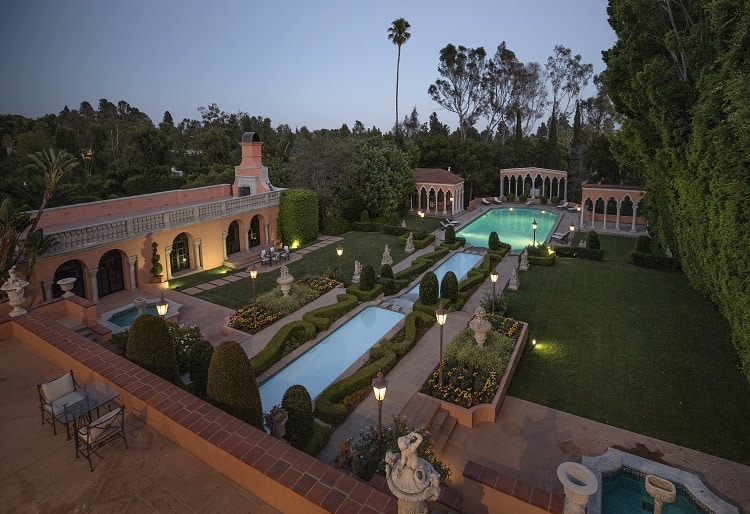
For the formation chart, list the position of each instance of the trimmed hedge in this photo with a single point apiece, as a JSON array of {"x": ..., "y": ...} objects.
[
  {"x": 367, "y": 279},
  {"x": 298, "y": 215},
  {"x": 449, "y": 287},
  {"x": 322, "y": 317},
  {"x": 369, "y": 226},
  {"x": 365, "y": 296},
  {"x": 232, "y": 386},
  {"x": 292, "y": 333},
  {"x": 428, "y": 288},
  {"x": 653, "y": 261},
  {"x": 151, "y": 347},
  {"x": 300, "y": 424},
  {"x": 538, "y": 260},
  {"x": 575, "y": 252},
  {"x": 418, "y": 243},
  {"x": 395, "y": 230}
]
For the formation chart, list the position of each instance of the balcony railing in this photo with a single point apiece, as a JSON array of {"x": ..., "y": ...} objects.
[{"x": 137, "y": 226}]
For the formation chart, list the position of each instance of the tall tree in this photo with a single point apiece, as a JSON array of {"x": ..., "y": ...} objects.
[
  {"x": 398, "y": 34},
  {"x": 503, "y": 72},
  {"x": 567, "y": 76},
  {"x": 461, "y": 89}
]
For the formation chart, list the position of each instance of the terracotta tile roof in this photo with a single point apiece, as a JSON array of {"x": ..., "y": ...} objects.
[{"x": 436, "y": 176}]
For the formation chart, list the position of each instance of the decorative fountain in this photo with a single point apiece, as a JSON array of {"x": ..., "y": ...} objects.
[
  {"x": 285, "y": 281},
  {"x": 480, "y": 326},
  {"x": 411, "y": 479},
  {"x": 661, "y": 490},
  {"x": 14, "y": 287},
  {"x": 579, "y": 484},
  {"x": 139, "y": 303},
  {"x": 66, "y": 284}
]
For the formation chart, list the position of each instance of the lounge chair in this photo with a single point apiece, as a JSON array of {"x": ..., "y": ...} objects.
[
  {"x": 528, "y": 202},
  {"x": 560, "y": 236},
  {"x": 445, "y": 225},
  {"x": 485, "y": 202},
  {"x": 563, "y": 205},
  {"x": 498, "y": 200},
  {"x": 572, "y": 208},
  {"x": 455, "y": 223}
]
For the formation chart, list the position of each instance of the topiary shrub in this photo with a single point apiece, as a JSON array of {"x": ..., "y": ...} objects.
[
  {"x": 555, "y": 200},
  {"x": 494, "y": 241},
  {"x": 510, "y": 197},
  {"x": 450, "y": 235},
  {"x": 428, "y": 288},
  {"x": 298, "y": 405},
  {"x": 364, "y": 217},
  {"x": 543, "y": 200},
  {"x": 449, "y": 287},
  {"x": 386, "y": 271},
  {"x": 642, "y": 244},
  {"x": 156, "y": 266},
  {"x": 231, "y": 384},
  {"x": 151, "y": 347},
  {"x": 367, "y": 278},
  {"x": 592, "y": 241},
  {"x": 198, "y": 364}
]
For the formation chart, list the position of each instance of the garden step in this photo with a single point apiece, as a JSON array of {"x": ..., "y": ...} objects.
[
  {"x": 419, "y": 411},
  {"x": 440, "y": 439}
]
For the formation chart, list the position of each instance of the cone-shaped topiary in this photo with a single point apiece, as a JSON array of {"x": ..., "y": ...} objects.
[
  {"x": 592, "y": 240},
  {"x": 642, "y": 244},
  {"x": 232, "y": 386},
  {"x": 198, "y": 362},
  {"x": 151, "y": 347},
  {"x": 449, "y": 286},
  {"x": 298, "y": 405},
  {"x": 494, "y": 241},
  {"x": 450, "y": 235},
  {"x": 367, "y": 278},
  {"x": 156, "y": 267},
  {"x": 386, "y": 271},
  {"x": 428, "y": 288}
]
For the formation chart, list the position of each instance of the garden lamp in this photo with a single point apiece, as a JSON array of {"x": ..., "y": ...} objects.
[
  {"x": 534, "y": 225},
  {"x": 442, "y": 316},
  {"x": 379, "y": 385},
  {"x": 253, "y": 276},
  {"x": 493, "y": 276},
  {"x": 162, "y": 307},
  {"x": 572, "y": 228},
  {"x": 340, "y": 252}
]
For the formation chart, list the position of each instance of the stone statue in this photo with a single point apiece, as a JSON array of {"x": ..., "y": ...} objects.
[
  {"x": 284, "y": 272},
  {"x": 409, "y": 247},
  {"x": 14, "y": 287},
  {"x": 525, "y": 260},
  {"x": 285, "y": 281},
  {"x": 480, "y": 326},
  {"x": 411, "y": 479},
  {"x": 387, "y": 259},
  {"x": 403, "y": 223},
  {"x": 357, "y": 272},
  {"x": 514, "y": 283},
  {"x": 669, "y": 253}
]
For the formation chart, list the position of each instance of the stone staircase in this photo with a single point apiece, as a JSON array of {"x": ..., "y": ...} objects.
[
  {"x": 422, "y": 411},
  {"x": 242, "y": 260}
]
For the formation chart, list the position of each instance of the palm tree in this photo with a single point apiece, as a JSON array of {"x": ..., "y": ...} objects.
[
  {"x": 399, "y": 34},
  {"x": 53, "y": 167}
]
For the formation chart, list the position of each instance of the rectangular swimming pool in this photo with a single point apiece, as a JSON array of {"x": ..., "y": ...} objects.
[
  {"x": 318, "y": 367},
  {"x": 512, "y": 224}
]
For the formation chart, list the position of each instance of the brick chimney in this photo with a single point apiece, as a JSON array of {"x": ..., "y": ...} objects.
[{"x": 251, "y": 177}]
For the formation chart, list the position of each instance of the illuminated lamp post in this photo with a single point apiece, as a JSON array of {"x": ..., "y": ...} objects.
[
  {"x": 442, "y": 316},
  {"x": 340, "y": 252},
  {"x": 493, "y": 276},
  {"x": 379, "y": 385},
  {"x": 578, "y": 213},
  {"x": 572, "y": 228},
  {"x": 162, "y": 307},
  {"x": 253, "y": 276},
  {"x": 421, "y": 219},
  {"x": 534, "y": 225}
]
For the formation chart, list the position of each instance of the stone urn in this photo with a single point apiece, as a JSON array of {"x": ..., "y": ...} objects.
[
  {"x": 285, "y": 281},
  {"x": 139, "y": 303},
  {"x": 480, "y": 326},
  {"x": 15, "y": 288},
  {"x": 66, "y": 284},
  {"x": 661, "y": 490},
  {"x": 579, "y": 484}
]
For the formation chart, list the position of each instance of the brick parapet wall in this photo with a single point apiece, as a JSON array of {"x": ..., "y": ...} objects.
[{"x": 282, "y": 476}]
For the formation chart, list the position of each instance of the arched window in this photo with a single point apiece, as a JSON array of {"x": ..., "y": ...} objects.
[
  {"x": 253, "y": 236},
  {"x": 233, "y": 238},
  {"x": 180, "y": 256},
  {"x": 110, "y": 277}
]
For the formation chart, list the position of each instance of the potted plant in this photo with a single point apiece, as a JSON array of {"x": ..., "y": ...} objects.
[
  {"x": 275, "y": 421},
  {"x": 156, "y": 267}
]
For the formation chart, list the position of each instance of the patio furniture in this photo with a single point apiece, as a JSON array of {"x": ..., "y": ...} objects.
[
  {"x": 498, "y": 200},
  {"x": 528, "y": 202},
  {"x": 81, "y": 403},
  {"x": 563, "y": 205},
  {"x": 560, "y": 236},
  {"x": 445, "y": 225},
  {"x": 485, "y": 202},
  {"x": 455, "y": 223},
  {"x": 264, "y": 258},
  {"x": 285, "y": 252},
  {"x": 55, "y": 395},
  {"x": 92, "y": 436}
]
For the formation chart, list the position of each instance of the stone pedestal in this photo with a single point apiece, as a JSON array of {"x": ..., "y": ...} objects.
[
  {"x": 661, "y": 490},
  {"x": 480, "y": 326},
  {"x": 15, "y": 288},
  {"x": 579, "y": 484},
  {"x": 285, "y": 281}
]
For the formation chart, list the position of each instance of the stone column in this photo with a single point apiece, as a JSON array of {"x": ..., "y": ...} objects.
[
  {"x": 617, "y": 219},
  {"x": 168, "y": 264},
  {"x": 224, "y": 236},
  {"x": 94, "y": 284},
  {"x": 197, "y": 252},
  {"x": 632, "y": 222},
  {"x": 266, "y": 231},
  {"x": 132, "y": 259}
]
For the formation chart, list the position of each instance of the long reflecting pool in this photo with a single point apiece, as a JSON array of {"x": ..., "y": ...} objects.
[
  {"x": 318, "y": 367},
  {"x": 512, "y": 224},
  {"x": 459, "y": 263}
]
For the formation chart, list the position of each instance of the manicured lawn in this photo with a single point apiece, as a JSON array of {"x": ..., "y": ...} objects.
[{"x": 634, "y": 348}]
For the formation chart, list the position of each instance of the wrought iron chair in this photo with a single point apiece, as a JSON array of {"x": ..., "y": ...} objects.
[
  {"x": 90, "y": 437},
  {"x": 55, "y": 395}
]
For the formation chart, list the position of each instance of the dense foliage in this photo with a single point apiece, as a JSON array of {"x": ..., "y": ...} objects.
[
  {"x": 232, "y": 386},
  {"x": 151, "y": 347},
  {"x": 298, "y": 217},
  {"x": 449, "y": 287},
  {"x": 428, "y": 288},
  {"x": 298, "y": 405},
  {"x": 679, "y": 75}
]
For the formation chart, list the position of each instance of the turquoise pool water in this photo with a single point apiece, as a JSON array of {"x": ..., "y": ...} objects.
[
  {"x": 624, "y": 492},
  {"x": 125, "y": 318},
  {"x": 512, "y": 224},
  {"x": 459, "y": 263},
  {"x": 318, "y": 367}
]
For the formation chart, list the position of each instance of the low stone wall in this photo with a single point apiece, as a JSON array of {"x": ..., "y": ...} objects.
[
  {"x": 489, "y": 491},
  {"x": 282, "y": 476}
]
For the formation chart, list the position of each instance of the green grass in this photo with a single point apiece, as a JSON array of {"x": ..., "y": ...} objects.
[{"x": 634, "y": 348}]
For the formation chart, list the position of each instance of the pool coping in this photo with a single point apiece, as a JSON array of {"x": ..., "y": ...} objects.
[
  {"x": 173, "y": 312},
  {"x": 613, "y": 460}
]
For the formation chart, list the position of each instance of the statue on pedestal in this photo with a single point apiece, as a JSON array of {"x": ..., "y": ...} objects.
[
  {"x": 514, "y": 283},
  {"x": 357, "y": 272},
  {"x": 480, "y": 326},
  {"x": 387, "y": 259},
  {"x": 411, "y": 479},
  {"x": 14, "y": 287},
  {"x": 524, "y": 260},
  {"x": 285, "y": 281},
  {"x": 409, "y": 247}
]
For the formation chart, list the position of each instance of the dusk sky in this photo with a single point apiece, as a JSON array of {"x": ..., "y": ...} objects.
[{"x": 313, "y": 64}]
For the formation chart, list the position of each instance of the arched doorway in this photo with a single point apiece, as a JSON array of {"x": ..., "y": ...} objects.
[
  {"x": 253, "y": 236},
  {"x": 110, "y": 277},
  {"x": 233, "y": 238},
  {"x": 66, "y": 270},
  {"x": 179, "y": 259}
]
